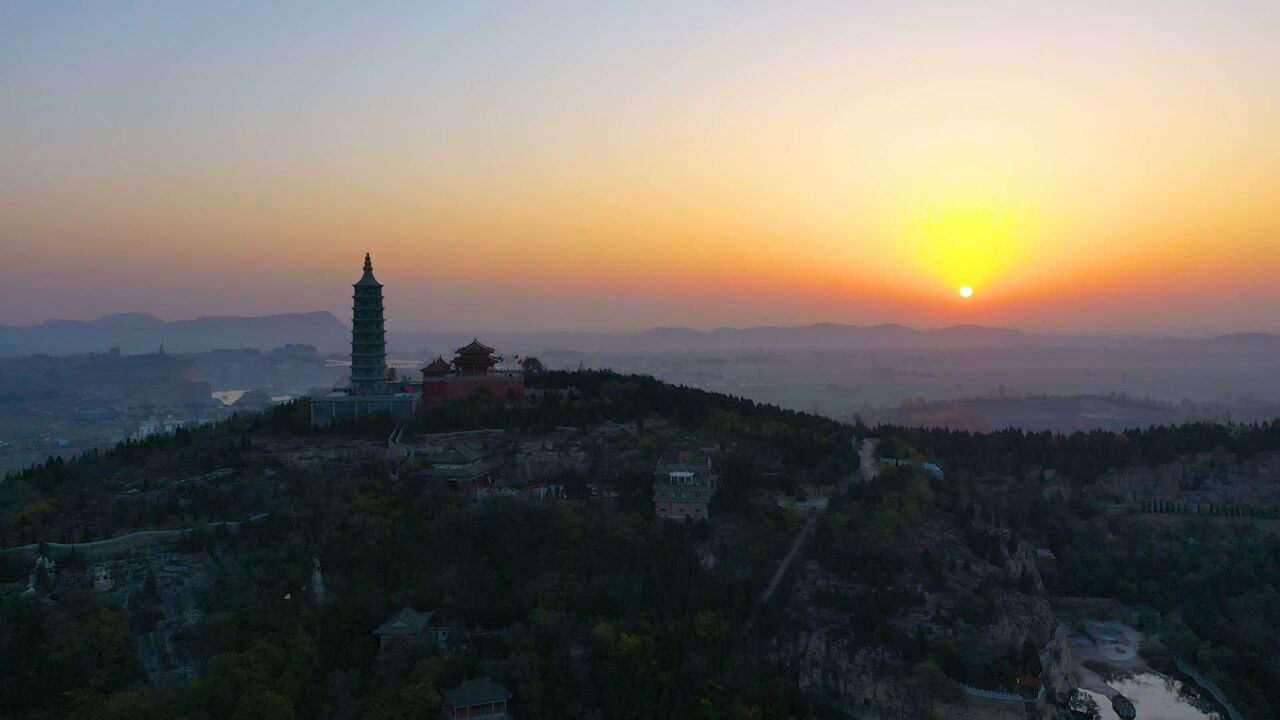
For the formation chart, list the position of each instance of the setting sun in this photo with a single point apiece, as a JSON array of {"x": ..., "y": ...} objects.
[{"x": 966, "y": 292}]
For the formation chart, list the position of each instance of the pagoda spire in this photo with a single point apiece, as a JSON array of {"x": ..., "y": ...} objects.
[{"x": 368, "y": 263}]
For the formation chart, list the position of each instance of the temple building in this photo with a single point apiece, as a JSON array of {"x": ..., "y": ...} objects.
[
  {"x": 460, "y": 467},
  {"x": 372, "y": 389},
  {"x": 470, "y": 373}
]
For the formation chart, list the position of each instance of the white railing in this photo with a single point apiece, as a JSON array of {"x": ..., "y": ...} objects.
[{"x": 998, "y": 695}]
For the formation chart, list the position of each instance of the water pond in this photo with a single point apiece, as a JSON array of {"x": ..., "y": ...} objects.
[{"x": 1156, "y": 697}]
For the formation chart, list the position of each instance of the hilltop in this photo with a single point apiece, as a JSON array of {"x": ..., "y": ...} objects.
[{"x": 903, "y": 565}]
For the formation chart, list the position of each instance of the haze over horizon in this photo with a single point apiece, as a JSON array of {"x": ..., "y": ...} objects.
[
  {"x": 141, "y": 318},
  {"x": 1087, "y": 169}
]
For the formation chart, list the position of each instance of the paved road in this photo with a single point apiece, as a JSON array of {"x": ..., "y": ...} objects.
[{"x": 867, "y": 464}]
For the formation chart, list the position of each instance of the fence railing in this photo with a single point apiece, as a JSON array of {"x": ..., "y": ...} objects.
[
  {"x": 998, "y": 695},
  {"x": 1208, "y": 686}
]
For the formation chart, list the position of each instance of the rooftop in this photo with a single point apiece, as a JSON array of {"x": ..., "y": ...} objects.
[
  {"x": 368, "y": 279},
  {"x": 456, "y": 454},
  {"x": 482, "y": 691},
  {"x": 475, "y": 347},
  {"x": 439, "y": 365},
  {"x": 407, "y": 622}
]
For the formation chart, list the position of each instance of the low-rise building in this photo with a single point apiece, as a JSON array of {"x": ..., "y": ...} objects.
[
  {"x": 410, "y": 628},
  {"x": 684, "y": 488},
  {"x": 931, "y": 468},
  {"x": 480, "y": 699},
  {"x": 460, "y": 466}
]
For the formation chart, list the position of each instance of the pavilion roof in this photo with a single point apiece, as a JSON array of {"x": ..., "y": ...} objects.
[
  {"x": 439, "y": 365},
  {"x": 482, "y": 691},
  {"x": 475, "y": 347}
]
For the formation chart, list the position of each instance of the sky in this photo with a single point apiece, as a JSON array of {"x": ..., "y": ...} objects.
[{"x": 1086, "y": 167}]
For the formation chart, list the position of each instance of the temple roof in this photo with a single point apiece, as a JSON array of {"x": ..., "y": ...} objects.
[
  {"x": 474, "y": 348},
  {"x": 367, "y": 278},
  {"x": 457, "y": 454},
  {"x": 406, "y": 622},
  {"x": 476, "y": 692},
  {"x": 439, "y": 366}
]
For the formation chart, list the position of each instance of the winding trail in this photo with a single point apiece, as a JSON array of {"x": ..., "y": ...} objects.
[{"x": 868, "y": 470}]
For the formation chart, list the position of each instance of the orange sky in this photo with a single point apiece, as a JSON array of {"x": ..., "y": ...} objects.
[{"x": 1085, "y": 168}]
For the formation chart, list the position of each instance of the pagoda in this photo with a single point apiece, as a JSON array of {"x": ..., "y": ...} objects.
[
  {"x": 368, "y": 336},
  {"x": 370, "y": 391}
]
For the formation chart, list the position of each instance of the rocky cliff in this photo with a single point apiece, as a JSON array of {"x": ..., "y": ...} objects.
[{"x": 1215, "y": 477}]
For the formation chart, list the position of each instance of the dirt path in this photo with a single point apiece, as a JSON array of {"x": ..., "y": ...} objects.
[
  {"x": 868, "y": 470},
  {"x": 781, "y": 572}
]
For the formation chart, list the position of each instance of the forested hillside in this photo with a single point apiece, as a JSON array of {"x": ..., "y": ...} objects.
[{"x": 586, "y": 605}]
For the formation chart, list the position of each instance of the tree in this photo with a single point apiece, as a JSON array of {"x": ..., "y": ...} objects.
[
  {"x": 1084, "y": 705},
  {"x": 1026, "y": 583},
  {"x": 262, "y": 704}
]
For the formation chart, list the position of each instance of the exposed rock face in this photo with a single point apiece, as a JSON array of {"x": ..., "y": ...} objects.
[
  {"x": 162, "y": 592},
  {"x": 1215, "y": 477},
  {"x": 817, "y": 646},
  {"x": 1059, "y": 665},
  {"x": 825, "y": 660}
]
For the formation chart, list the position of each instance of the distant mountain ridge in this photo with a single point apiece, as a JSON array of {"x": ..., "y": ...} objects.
[
  {"x": 143, "y": 333},
  {"x": 138, "y": 332},
  {"x": 818, "y": 337}
]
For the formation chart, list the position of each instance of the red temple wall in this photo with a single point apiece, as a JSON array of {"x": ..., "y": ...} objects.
[{"x": 436, "y": 390}]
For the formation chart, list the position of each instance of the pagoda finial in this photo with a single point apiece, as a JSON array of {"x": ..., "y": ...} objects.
[{"x": 368, "y": 263}]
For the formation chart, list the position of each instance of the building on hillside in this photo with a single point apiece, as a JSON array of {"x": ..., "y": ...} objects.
[
  {"x": 1029, "y": 687},
  {"x": 931, "y": 468},
  {"x": 373, "y": 388},
  {"x": 683, "y": 488},
  {"x": 470, "y": 373},
  {"x": 461, "y": 467},
  {"x": 481, "y": 699},
  {"x": 410, "y": 628}
]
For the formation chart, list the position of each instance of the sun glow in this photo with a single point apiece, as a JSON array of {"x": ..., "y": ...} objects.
[{"x": 965, "y": 227}]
